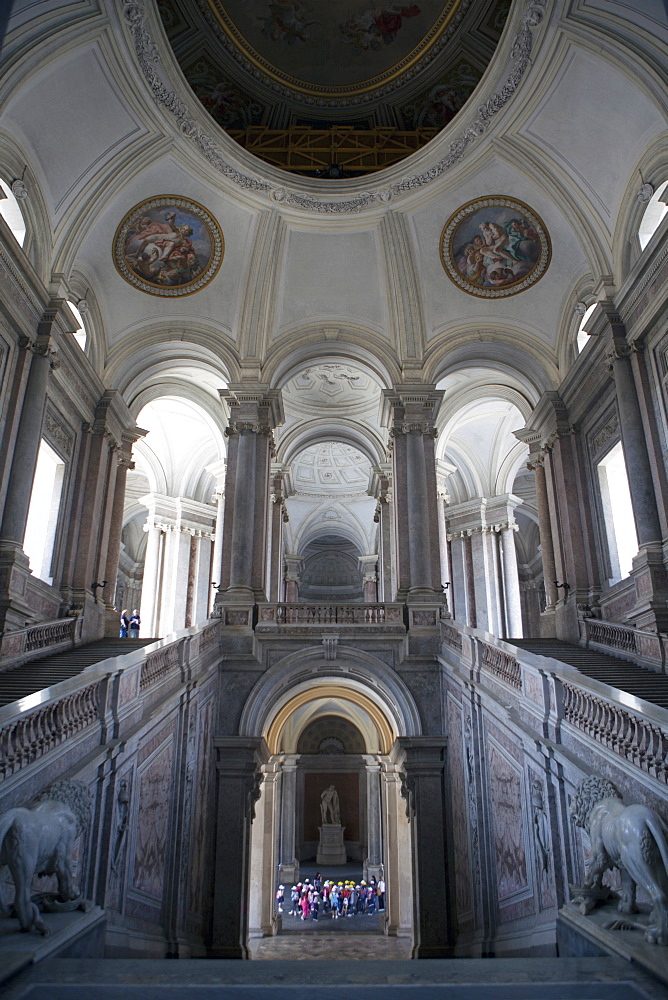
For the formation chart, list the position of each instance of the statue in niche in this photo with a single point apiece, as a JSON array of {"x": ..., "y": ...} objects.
[
  {"x": 633, "y": 839},
  {"x": 40, "y": 841},
  {"x": 329, "y": 806}
]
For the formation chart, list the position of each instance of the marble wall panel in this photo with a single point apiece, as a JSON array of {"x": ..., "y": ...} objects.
[
  {"x": 505, "y": 779},
  {"x": 154, "y": 797}
]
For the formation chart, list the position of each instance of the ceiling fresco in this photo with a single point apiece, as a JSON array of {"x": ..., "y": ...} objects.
[
  {"x": 338, "y": 47},
  {"x": 337, "y": 89}
]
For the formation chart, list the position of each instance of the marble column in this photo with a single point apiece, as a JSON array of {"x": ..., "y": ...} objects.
[
  {"x": 151, "y": 581},
  {"x": 219, "y": 471},
  {"x": 239, "y": 782},
  {"x": 373, "y": 863},
  {"x": 279, "y": 517},
  {"x": 469, "y": 579},
  {"x": 409, "y": 412},
  {"x": 423, "y": 788},
  {"x": 255, "y": 410},
  {"x": 288, "y": 866},
  {"x": 115, "y": 530},
  {"x": 293, "y": 566},
  {"x": 368, "y": 567},
  {"x": 511, "y": 582},
  {"x": 262, "y": 912},
  {"x": 399, "y": 906},
  {"x": 537, "y": 464}
]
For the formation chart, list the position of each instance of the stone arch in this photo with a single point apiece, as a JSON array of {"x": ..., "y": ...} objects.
[
  {"x": 15, "y": 166},
  {"x": 652, "y": 169},
  {"x": 359, "y": 674}
]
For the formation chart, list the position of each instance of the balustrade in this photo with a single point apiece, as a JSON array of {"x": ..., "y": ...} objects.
[
  {"x": 30, "y": 730},
  {"x": 638, "y": 740},
  {"x": 330, "y": 614},
  {"x": 503, "y": 665},
  {"x": 18, "y": 644}
]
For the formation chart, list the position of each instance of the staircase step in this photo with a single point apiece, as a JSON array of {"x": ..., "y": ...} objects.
[
  {"x": 21, "y": 681},
  {"x": 642, "y": 682}
]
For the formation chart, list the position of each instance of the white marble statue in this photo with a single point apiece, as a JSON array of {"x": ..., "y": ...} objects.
[
  {"x": 40, "y": 840},
  {"x": 632, "y": 838},
  {"x": 329, "y": 805}
]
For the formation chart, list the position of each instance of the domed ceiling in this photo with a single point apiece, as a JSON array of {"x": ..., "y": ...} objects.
[{"x": 335, "y": 89}]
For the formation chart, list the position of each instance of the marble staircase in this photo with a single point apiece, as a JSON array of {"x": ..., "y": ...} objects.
[
  {"x": 28, "y": 678},
  {"x": 642, "y": 682}
]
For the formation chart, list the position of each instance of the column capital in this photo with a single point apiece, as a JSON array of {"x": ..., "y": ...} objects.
[
  {"x": 411, "y": 407},
  {"x": 251, "y": 404}
]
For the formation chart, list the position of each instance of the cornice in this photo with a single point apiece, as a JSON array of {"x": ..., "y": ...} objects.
[{"x": 148, "y": 56}]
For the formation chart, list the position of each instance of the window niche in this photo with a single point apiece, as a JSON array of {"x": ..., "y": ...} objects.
[
  {"x": 617, "y": 513},
  {"x": 47, "y": 491}
]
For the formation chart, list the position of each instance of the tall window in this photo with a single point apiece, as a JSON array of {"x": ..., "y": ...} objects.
[
  {"x": 40, "y": 533},
  {"x": 618, "y": 513},
  {"x": 583, "y": 337},
  {"x": 80, "y": 334},
  {"x": 11, "y": 213},
  {"x": 654, "y": 213}
]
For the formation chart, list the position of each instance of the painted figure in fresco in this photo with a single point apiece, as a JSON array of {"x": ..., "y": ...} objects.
[
  {"x": 162, "y": 252},
  {"x": 288, "y": 22},
  {"x": 502, "y": 252},
  {"x": 376, "y": 25},
  {"x": 329, "y": 805}
]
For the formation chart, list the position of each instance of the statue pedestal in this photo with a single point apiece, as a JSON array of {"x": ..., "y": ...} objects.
[{"x": 331, "y": 850}]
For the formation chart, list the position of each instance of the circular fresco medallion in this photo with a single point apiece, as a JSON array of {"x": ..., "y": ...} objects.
[
  {"x": 494, "y": 247},
  {"x": 168, "y": 246}
]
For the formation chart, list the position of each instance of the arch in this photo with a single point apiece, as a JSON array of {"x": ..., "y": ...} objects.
[
  {"x": 526, "y": 360},
  {"x": 325, "y": 342},
  {"x": 355, "y": 676},
  {"x": 38, "y": 243},
  {"x": 652, "y": 169},
  {"x": 345, "y": 431}
]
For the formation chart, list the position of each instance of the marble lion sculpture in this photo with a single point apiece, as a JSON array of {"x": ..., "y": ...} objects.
[
  {"x": 632, "y": 838},
  {"x": 39, "y": 840}
]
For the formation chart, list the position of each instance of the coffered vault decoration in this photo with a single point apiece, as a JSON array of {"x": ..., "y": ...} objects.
[
  {"x": 168, "y": 246},
  {"x": 494, "y": 247}
]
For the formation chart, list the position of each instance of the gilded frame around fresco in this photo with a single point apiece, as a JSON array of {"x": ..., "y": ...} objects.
[
  {"x": 457, "y": 235},
  {"x": 191, "y": 211}
]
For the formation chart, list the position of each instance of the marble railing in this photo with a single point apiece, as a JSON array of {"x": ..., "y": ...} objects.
[
  {"x": 647, "y": 648},
  {"x": 562, "y": 697},
  {"x": 24, "y": 644},
  {"x": 322, "y": 613},
  {"x": 99, "y": 702}
]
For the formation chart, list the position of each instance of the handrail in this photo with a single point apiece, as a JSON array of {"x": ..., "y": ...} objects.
[{"x": 630, "y": 727}]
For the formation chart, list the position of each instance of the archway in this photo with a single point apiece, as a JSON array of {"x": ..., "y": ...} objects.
[{"x": 325, "y": 723}]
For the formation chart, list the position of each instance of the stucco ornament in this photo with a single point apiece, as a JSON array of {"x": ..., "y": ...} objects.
[
  {"x": 631, "y": 838},
  {"x": 39, "y": 841}
]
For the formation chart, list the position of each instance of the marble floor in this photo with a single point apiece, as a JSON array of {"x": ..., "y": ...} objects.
[{"x": 348, "y": 947}]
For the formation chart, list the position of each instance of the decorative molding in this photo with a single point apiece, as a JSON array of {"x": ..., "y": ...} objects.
[
  {"x": 53, "y": 425},
  {"x": 148, "y": 56}
]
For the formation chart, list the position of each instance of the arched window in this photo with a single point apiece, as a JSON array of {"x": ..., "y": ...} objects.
[
  {"x": 79, "y": 335},
  {"x": 654, "y": 213},
  {"x": 11, "y": 212},
  {"x": 583, "y": 336}
]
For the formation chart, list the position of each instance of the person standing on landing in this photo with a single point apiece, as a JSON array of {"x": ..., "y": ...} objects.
[{"x": 135, "y": 622}]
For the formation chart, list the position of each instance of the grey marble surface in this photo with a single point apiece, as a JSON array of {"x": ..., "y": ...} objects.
[{"x": 459, "y": 979}]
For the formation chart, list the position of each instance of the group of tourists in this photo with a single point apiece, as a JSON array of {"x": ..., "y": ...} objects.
[
  {"x": 129, "y": 626},
  {"x": 311, "y": 898}
]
